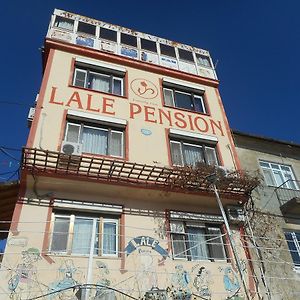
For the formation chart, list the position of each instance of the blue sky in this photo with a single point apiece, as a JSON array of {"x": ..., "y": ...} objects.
[{"x": 256, "y": 44}]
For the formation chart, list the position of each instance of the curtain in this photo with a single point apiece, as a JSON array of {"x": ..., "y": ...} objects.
[
  {"x": 99, "y": 82},
  {"x": 73, "y": 133},
  {"x": 168, "y": 97},
  {"x": 176, "y": 153},
  {"x": 109, "y": 237},
  {"x": 116, "y": 143},
  {"x": 178, "y": 242},
  {"x": 197, "y": 243},
  {"x": 82, "y": 236},
  {"x": 95, "y": 140},
  {"x": 216, "y": 243},
  {"x": 192, "y": 154},
  {"x": 211, "y": 156},
  {"x": 117, "y": 86}
]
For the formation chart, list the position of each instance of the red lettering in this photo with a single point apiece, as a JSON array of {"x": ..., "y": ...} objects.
[
  {"x": 89, "y": 104},
  {"x": 52, "y": 97},
  {"x": 180, "y": 117},
  {"x": 134, "y": 109},
  {"x": 167, "y": 115},
  {"x": 197, "y": 125},
  {"x": 191, "y": 122},
  {"x": 75, "y": 98},
  {"x": 149, "y": 111},
  {"x": 107, "y": 104},
  {"x": 213, "y": 124}
]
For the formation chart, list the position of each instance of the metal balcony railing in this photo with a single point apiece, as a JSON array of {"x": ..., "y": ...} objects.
[{"x": 287, "y": 191}]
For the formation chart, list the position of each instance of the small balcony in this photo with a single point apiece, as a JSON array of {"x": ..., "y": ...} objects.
[{"x": 288, "y": 195}]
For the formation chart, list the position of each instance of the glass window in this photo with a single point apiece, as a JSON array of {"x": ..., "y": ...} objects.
[
  {"x": 128, "y": 39},
  {"x": 96, "y": 139},
  {"x": 167, "y": 50},
  {"x": 177, "y": 97},
  {"x": 72, "y": 234},
  {"x": 203, "y": 60},
  {"x": 185, "y": 55},
  {"x": 148, "y": 45},
  {"x": 86, "y": 28},
  {"x": 293, "y": 241},
  {"x": 187, "y": 154},
  {"x": 279, "y": 175},
  {"x": 99, "y": 81},
  {"x": 197, "y": 241},
  {"x": 108, "y": 34},
  {"x": 64, "y": 23}
]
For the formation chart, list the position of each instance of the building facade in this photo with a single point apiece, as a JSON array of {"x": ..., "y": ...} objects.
[
  {"x": 273, "y": 230},
  {"x": 108, "y": 206}
]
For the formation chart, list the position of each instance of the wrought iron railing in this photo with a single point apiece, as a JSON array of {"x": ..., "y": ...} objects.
[{"x": 287, "y": 191}]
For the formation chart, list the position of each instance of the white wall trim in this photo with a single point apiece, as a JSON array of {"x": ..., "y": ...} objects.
[
  {"x": 94, "y": 117},
  {"x": 84, "y": 206},
  {"x": 183, "y": 84},
  {"x": 192, "y": 135},
  {"x": 100, "y": 64}
]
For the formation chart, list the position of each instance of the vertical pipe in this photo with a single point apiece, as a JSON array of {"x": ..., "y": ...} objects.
[{"x": 231, "y": 240}]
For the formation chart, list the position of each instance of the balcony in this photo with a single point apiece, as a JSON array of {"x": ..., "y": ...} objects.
[
  {"x": 288, "y": 195},
  {"x": 107, "y": 170}
]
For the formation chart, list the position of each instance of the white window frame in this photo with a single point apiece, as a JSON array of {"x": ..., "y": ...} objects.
[
  {"x": 183, "y": 142},
  {"x": 282, "y": 172},
  {"x": 110, "y": 73},
  {"x": 297, "y": 246},
  {"x": 100, "y": 218},
  {"x": 109, "y": 129},
  {"x": 206, "y": 227}
]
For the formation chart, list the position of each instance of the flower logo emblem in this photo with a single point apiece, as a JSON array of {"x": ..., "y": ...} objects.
[{"x": 144, "y": 88}]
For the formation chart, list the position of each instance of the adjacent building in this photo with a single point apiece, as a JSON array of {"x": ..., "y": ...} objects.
[
  {"x": 110, "y": 205},
  {"x": 273, "y": 228}
]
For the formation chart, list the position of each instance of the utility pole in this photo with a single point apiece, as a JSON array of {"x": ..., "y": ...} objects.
[{"x": 212, "y": 179}]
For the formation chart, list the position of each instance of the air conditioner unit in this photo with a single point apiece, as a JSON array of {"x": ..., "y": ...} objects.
[
  {"x": 31, "y": 114},
  {"x": 71, "y": 148},
  {"x": 235, "y": 214}
]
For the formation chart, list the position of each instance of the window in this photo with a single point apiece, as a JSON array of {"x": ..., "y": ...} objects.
[
  {"x": 167, "y": 50},
  {"x": 278, "y": 175},
  {"x": 86, "y": 28},
  {"x": 96, "y": 139},
  {"x": 185, "y": 55},
  {"x": 203, "y": 60},
  {"x": 99, "y": 80},
  {"x": 196, "y": 241},
  {"x": 128, "y": 39},
  {"x": 64, "y": 23},
  {"x": 185, "y": 153},
  {"x": 148, "y": 45},
  {"x": 178, "y": 97},
  {"x": 72, "y": 234},
  {"x": 293, "y": 241},
  {"x": 108, "y": 34}
]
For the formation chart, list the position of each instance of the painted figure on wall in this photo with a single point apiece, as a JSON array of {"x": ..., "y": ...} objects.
[
  {"x": 65, "y": 283},
  {"x": 103, "y": 292},
  {"x": 230, "y": 279},
  {"x": 202, "y": 282},
  {"x": 180, "y": 284},
  {"x": 23, "y": 283}
]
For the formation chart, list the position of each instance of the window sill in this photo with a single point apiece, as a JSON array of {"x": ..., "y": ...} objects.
[
  {"x": 187, "y": 110},
  {"x": 104, "y": 156},
  {"x": 95, "y": 91}
]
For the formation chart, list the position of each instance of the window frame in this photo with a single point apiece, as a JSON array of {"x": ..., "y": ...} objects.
[
  {"x": 271, "y": 171},
  {"x": 88, "y": 25},
  {"x": 99, "y": 217},
  {"x": 193, "y": 143},
  {"x": 296, "y": 244},
  {"x": 200, "y": 57},
  {"x": 109, "y": 129},
  {"x": 209, "y": 246},
  {"x": 101, "y": 72},
  {"x": 187, "y": 91},
  {"x": 66, "y": 19}
]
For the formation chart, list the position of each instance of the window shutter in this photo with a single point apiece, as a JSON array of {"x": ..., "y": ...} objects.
[
  {"x": 168, "y": 97},
  {"x": 176, "y": 153},
  {"x": 80, "y": 78},
  {"x": 215, "y": 242},
  {"x": 116, "y": 143},
  {"x": 73, "y": 133}
]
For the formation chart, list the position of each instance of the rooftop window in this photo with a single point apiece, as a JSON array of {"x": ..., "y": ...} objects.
[
  {"x": 108, "y": 34},
  {"x": 86, "y": 28}
]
